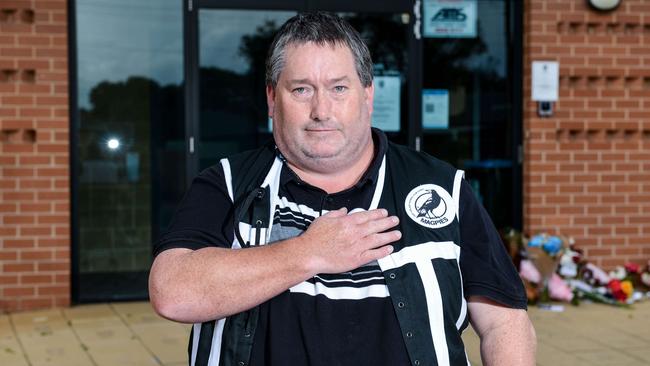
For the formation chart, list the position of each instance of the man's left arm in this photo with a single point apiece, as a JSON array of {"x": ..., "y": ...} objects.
[{"x": 507, "y": 335}]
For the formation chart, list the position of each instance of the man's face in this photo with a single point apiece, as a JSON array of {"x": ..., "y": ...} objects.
[{"x": 320, "y": 110}]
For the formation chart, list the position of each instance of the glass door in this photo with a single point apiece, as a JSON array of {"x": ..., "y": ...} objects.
[
  {"x": 228, "y": 47},
  {"x": 447, "y": 82},
  {"x": 128, "y": 144},
  {"x": 162, "y": 94},
  {"x": 232, "y": 101},
  {"x": 469, "y": 99}
]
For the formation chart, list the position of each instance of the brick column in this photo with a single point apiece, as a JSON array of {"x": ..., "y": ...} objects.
[
  {"x": 34, "y": 159},
  {"x": 587, "y": 168}
]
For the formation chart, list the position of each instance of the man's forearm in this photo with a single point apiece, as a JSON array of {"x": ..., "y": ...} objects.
[
  {"x": 512, "y": 344},
  {"x": 212, "y": 283},
  {"x": 507, "y": 335}
]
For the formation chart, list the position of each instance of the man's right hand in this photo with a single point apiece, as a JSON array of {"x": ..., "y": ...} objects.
[
  {"x": 211, "y": 283},
  {"x": 338, "y": 242}
]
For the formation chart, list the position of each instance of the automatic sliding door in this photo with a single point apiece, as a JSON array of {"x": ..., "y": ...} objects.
[
  {"x": 387, "y": 35},
  {"x": 467, "y": 105},
  {"x": 232, "y": 48},
  {"x": 232, "y": 101}
]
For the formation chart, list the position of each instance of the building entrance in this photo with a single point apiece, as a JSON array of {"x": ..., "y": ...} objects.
[{"x": 162, "y": 92}]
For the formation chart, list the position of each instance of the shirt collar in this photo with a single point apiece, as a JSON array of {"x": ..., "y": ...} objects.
[{"x": 371, "y": 174}]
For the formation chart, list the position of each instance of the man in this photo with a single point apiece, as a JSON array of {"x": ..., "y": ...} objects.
[{"x": 333, "y": 246}]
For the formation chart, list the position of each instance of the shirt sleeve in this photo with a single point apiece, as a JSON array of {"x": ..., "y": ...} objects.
[
  {"x": 204, "y": 216},
  {"x": 486, "y": 267}
]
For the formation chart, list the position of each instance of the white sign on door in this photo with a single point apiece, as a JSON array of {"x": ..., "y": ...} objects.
[
  {"x": 435, "y": 108},
  {"x": 386, "y": 105},
  {"x": 450, "y": 18}
]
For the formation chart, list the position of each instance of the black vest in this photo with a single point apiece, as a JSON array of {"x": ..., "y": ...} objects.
[{"x": 422, "y": 274}]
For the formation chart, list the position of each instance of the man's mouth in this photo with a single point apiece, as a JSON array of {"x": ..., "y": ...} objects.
[{"x": 321, "y": 129}]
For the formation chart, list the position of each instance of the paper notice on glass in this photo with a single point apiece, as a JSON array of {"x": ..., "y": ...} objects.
[
  {"x": 449, "y": 18},
  {"x": 386, "y": 106},
  {"x": 435, "y": 108},
  {"x": 546, "y": 81}
]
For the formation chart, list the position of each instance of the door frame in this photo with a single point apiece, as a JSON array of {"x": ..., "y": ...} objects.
[
  {"x": 413, "y": 132},
  {"x": 191, "y": 56}
]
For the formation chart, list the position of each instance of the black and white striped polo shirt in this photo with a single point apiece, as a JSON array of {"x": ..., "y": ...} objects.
[{"x": 352, "y": 318}]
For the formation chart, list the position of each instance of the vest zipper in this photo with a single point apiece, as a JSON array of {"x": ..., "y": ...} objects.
[
  {"x": 258, "y": 222},
  {"x": 258, "y": 229}
]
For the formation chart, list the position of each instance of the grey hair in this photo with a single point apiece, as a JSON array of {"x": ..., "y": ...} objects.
[{"x": 323, "y": 29}]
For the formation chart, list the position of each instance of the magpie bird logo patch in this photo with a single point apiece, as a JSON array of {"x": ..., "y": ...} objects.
[{"x": 430, "y": 205}]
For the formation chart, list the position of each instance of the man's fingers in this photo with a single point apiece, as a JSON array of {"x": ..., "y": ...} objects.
[
  {"x": 378, "y": 253},
  {"x": 365, "y": 216},
  {"x": 379, "y": 225},
  {"x": 337, "y": 213},
  {"x": 381, "y": 239}
]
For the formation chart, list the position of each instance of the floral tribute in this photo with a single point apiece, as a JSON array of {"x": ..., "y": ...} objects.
[{"x": 553, "y": 269}]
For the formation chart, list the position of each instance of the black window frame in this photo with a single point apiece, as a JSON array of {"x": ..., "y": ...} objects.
[{"x": 515, "y": 12}]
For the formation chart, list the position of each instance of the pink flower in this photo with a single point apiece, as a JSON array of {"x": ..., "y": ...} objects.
[
  {"x": 632, "y": 268},
  {"x": 558, "y": 289},
  {"x": 529, "y": 272},
  {"x": 598, "y": 274}
]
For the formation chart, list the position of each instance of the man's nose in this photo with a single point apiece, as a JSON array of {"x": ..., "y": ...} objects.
[{"x": 321, "y": 107}]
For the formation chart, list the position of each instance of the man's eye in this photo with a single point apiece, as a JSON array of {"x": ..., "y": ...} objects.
[
  {"x": 300, "y": 90},
  {"x": 340, "y": 88}
]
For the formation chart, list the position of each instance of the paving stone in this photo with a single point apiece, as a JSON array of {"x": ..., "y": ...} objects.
[
  {"x": 92, "y": 336},
  {"x": 11, "y": 354},
  {"x": 642, "y": 353},
  {"x": 132, "y": 334},
  {"x": 548, "y": 355},
  {"x": 43, "y": 322},
  {"x": 166, "y": 340},
  {"x": 128, "y": 352},
  {"x": 61, "y": 347},
  {"x": 5, "y": 326},
  {"x": 472, "y": 346},
  {"x": 137, "y": 313},
  {"x": 89, "y": 312},
  {"x": 609, "y": 357}
]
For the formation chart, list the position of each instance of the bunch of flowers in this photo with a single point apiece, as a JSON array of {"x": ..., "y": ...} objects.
[
  {"x": 541, "y": 256},
  {"x": 628, "y": 282},
  {"x": 552, "y": 268},
  {"x": 621, "y": 287},
  {"x": 588, "y": 281},
  {"x": 551, "y": 245}
]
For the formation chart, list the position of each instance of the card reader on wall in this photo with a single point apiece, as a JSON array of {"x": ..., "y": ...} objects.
[{"x": 544, "y": 109}]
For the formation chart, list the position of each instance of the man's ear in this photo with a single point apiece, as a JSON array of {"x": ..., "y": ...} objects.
[
  {"x": 370, "y": 96},
  {"x": 270, "y": 99}
]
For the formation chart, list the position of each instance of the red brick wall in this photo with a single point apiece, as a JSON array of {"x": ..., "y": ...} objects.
[
  {"x": 34, "y": 162},
  {"x": 587, "y": 168}
]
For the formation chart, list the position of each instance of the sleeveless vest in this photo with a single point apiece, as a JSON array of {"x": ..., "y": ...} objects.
[{"x": 422, "y": 274}]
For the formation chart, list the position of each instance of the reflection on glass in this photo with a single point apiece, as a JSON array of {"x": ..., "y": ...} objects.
[
  {"x": 473, "y": 75},
  {"x": 130, "y": 122},
  {"x": 233, "y": 49},
  {"x": 233, "y": 111},
  {"x": 387, "y": 36},
  {"x": 113, "y": 144}
]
